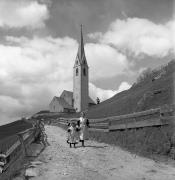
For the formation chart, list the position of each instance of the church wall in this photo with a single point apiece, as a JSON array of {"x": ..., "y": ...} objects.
[
  {"x": 84, "y": 89},
  {"x": 77, "y": 89},
  {"x": 81, "y": 89},
  {"x": 55, "y": 106},
  {"x": 67, "y": 98}
]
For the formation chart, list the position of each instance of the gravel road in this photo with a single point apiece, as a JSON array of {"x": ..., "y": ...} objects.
[{"x": 96, "y": 161}]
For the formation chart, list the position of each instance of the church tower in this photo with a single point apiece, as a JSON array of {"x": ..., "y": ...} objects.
[{"x": 81, "y": 79}]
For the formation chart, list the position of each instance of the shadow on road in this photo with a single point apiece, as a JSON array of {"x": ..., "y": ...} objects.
[{"x": 95, "y": 147}]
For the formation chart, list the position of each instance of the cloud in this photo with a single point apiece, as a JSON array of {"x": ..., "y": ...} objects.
[
  {"x": 105, "y": 61},
  {"x": 32, "y": 71},
  {"x": 19, "y": 14},
  {"x": 123, "y": 86},
  {"x": 106, "y": 94},
  {"x": 136, "y": 36}
]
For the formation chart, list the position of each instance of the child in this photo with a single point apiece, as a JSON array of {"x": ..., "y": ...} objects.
[
  {"x": 72, "y": 134},
  {"x": 84, "y": 125}
]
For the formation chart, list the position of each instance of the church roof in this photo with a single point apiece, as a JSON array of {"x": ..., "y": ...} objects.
[
  {"x": 81, "y": 58},
  {"x": 68, "y": 93},
  {"x": 91, "y": 101},
  {"x": 63, "y": 103}
]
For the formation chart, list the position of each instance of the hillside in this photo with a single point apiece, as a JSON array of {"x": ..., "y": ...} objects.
[
  {"x": 153, "y": 91},
  {"x": 13, "y": 128}
]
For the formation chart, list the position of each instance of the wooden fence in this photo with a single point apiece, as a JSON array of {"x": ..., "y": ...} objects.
[
  {"x": 153, "y": 117},
  {"x": 14, "y": 148}
]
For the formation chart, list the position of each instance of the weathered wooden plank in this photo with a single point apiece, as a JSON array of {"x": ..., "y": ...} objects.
[
  {"x": 127, "y": 116},
  {"x": 17, "y": 143},
  {"x": 12, "y": 148},
  {"x": 101, "y": 120},
  {"x": 145, "y": 123},
  {"x": 98, "y": 130},
  {"x": 98, "y": 126},
  {"x": 134, "y": 119},
  {"x": 134, "y": 115}
]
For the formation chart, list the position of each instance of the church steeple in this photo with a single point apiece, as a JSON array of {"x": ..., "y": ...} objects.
[
  {"x": 81, "y": 58},
  {"x": 81, "y": 79}
]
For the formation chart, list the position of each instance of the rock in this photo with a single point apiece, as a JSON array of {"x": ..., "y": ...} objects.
[
  {"x": 31, "y": 172},
  {"x": 34, "y": 149}
]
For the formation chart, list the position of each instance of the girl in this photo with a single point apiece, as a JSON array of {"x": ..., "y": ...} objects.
[
  {"x": 72, "y": 134},
  {"x": 84, "y": 124}
]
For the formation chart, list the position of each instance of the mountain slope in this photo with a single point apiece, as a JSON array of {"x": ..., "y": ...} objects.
[{"x": 154, "y": 91}]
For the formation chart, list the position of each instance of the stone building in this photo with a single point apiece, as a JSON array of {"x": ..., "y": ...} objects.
[{"x": 79, "y": 99}]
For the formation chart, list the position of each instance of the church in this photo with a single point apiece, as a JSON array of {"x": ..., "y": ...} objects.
[{"x": 79, "y": 99}]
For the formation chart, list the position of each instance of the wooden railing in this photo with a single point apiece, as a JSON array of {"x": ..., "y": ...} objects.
[
  {"x": 153, "y": 117},
  {"x": 13, "y": 148}
]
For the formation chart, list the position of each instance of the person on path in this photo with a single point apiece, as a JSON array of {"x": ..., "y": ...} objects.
[
  {"x": 84, "y": 125},
  {"x": 72, "y": 134}
]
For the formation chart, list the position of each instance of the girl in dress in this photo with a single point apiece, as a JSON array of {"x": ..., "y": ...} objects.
[
  {"x": 72, "y": 134},
  {"x": 83, "y": 124}
]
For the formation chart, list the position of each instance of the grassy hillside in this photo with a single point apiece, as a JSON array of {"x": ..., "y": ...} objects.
[
  {"x": 13, "y": 128},
  {"x": 147, "y": 94},
  {"x": 154, "y": 90}
]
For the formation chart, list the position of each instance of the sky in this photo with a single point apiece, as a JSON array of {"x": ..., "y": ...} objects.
[{"x": 39, "y": 41}]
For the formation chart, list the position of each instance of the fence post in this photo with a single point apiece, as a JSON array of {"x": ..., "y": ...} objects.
[
  {"x": 109, "y": 124},
  {"x": 22, "y": 143}
]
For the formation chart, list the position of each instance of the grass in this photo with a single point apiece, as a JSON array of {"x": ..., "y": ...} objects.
[
  {"x": 13, "y": 128},
  {"x": 138, "y": 98},
  {"x": 142, "y": 96},
  {"x": 8, "y": 133},
  {"x": 147, "y": 141},
  {"x": 143, "y": 141},
  {"x": 145, "y": 95}
]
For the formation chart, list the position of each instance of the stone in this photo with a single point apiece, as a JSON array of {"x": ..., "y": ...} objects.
[
  {"x": 35, "y": 163},
  {"x": 31, "y": 172}
]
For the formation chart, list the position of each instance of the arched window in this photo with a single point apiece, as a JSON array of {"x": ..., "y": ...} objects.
[
  {"x": 76, "y": 71},
  {"x": 76, "y": 62},
  {"x": 84, "y": 71}
]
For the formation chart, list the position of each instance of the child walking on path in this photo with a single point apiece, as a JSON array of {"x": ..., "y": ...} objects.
[{"x": 73, "y": 134}]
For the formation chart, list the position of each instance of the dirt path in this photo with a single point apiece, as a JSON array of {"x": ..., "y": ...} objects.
[{"x": 97, "y": 161}]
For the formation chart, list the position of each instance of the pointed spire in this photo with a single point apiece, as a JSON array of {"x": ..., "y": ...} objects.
[{"x": 81, "y": 52}]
